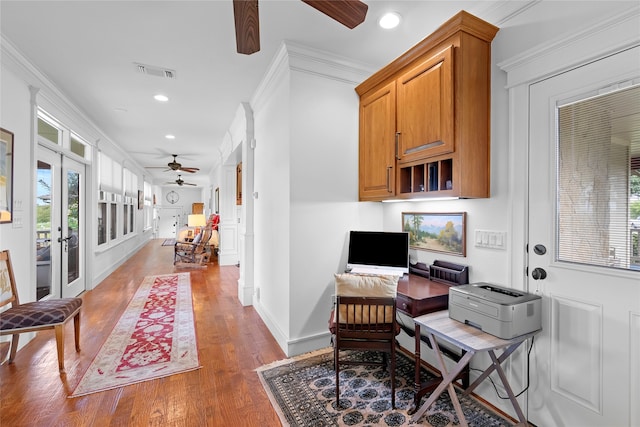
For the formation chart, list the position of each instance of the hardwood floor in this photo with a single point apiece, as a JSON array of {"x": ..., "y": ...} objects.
[{"x": 232, "y": 341}]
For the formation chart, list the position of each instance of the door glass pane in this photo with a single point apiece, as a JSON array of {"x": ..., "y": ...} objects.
[
  {"x": 73, "y": 225},
  {"x": 43, "y": 230},
  {"x": 598, "y": 175},
  {"x": 77, "y": 147},
  {"x": 48, "y": 131}
]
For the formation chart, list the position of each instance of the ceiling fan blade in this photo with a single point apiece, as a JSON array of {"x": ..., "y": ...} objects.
[
  {"x": 190, "y": 170},
  {"x": 349, "y": 13},
  {"x": 188, "y": 183},
  {"x": 245, "y": 13}
]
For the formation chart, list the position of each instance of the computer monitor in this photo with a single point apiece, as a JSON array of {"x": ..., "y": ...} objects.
[{"x": 379, "y": 249}]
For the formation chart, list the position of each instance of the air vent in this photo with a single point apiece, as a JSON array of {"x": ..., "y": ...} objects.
[{"x": 153, "y": 70}]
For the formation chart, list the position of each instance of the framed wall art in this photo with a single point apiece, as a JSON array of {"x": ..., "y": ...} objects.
[
  {"x": 140, "y": 199},
  {"x": 6, "y": 176},
  {"x": 436, "y": 232}
]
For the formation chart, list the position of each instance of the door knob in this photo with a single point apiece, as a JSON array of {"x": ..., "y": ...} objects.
[{"x": 539, "y": 274}]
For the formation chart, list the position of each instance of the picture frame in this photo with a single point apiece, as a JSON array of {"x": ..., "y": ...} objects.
[
  {"x": 6, "y": 176},
  {"x": 437, "y": 232},
  {"x": 140, "y": 199},
  {"x": 217, "y": 200}
]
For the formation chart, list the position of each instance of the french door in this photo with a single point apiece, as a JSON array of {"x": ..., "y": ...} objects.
[
  {"x": 585, "y": 364},
  {"x": 60, "y": 226}
]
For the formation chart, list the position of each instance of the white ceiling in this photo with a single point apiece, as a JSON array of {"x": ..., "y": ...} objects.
[{"x": 88, "y": 50}]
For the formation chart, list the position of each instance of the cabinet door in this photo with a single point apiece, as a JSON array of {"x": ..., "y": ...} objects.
[
  {"x": 426, "y": 109},
  {"x": 377, "y": 143}
]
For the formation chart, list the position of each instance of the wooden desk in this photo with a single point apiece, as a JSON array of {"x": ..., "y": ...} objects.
[
  {"x": 438, "y": 326},
  {"x": 418, "y": 295}
]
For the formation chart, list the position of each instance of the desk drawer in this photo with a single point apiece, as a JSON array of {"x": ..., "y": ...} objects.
[
  {"x": 405, "y": 305},
  {"x": 416, "y": 308}
]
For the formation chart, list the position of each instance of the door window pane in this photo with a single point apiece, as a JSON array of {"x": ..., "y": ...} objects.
[
  {"x": 48, "y": 132},
  {"x": 43, "y": 230},
  {"x": 598, "y": 177},
  {"x": 77, "y": 147},
  {"x": 73, "y": 226}
]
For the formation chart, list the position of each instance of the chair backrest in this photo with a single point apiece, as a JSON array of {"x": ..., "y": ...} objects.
[
  {"x": 363, "y": 285},
  {"x": 364, "y": 316},
  {"x": 8, "y": 291},
  {"x": 203, "y": 239}
]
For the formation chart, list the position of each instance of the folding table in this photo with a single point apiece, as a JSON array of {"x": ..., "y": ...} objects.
[{"x": 439, "y": 326}]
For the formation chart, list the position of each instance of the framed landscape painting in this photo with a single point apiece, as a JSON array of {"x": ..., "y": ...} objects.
[
  {"x": 6, "y": 176},
  {"x": 436, "y": 232}
]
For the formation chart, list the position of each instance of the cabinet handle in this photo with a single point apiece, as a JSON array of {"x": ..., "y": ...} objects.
[
  {"x": 397, "y": 145},
  {"x": 389, "y": 178}
]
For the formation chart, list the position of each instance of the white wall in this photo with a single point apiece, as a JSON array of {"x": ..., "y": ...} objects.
[
  {"x": 15, "y": 117},
  {"x": 271, "y": 111},
  {"x": 18, "y": 78},
  {"x": 306, "y": 177}
]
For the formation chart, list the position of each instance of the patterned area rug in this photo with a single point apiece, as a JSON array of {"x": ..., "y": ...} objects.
[
  {"x": 169, "y": 242},
  {"x": 302, "y": 390},
  {"x": 154, "y": 338}
]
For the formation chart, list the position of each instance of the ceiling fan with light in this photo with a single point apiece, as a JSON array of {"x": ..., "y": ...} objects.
[
  {"x": 174, "y": 166},
  {"x": 179, "y": 182},
  {"x": 350, "y": 13}
]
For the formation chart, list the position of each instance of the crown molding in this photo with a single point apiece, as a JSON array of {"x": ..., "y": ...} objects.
[{"x": 576, "y": 48}]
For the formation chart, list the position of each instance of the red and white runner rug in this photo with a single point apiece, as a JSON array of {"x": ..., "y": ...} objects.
[{"x": 154, "y": 338}]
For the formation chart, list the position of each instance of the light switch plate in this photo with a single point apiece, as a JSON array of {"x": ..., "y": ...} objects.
[{"x": 491, "y": 239}]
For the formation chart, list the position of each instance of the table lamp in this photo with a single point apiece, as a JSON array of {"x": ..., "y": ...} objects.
[{"x": 197, "y": 221}]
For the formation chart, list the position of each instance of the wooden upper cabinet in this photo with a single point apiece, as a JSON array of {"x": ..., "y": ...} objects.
[
  {"x": 425, "y": 117},
  {"x": 377, "y": 135},
  {"x": 425, "y": 109}
]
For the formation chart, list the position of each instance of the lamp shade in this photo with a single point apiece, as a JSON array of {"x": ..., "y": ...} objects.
[{"x": 196, "y": 220}]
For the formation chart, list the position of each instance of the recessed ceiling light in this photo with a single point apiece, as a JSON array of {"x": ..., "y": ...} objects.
[
  {"x": 389, "y": 20},
  {"x": 170, "y": 136},
  {"x": 161, "y": 98}
]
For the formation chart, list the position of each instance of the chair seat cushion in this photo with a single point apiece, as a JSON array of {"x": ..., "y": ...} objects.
[{"x": 39, "y": 313}]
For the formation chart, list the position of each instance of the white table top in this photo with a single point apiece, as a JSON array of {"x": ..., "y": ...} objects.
[{"x": 462, "y": 335}]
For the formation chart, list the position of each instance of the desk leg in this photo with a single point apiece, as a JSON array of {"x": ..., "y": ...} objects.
[
  {"x": 496, "y": 366},
  {"x": 507, "y": 387},
  {"x": 416, "y": 384},
  {"x": 447, "y": 380},
  {"x": 505, "y": 354}
]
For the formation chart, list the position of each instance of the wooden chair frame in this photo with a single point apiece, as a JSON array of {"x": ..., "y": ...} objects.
[
  {"x": 193, "y": 253},
  {"x": 51, "y": 308},
  {"x": 365, "y": 326}
]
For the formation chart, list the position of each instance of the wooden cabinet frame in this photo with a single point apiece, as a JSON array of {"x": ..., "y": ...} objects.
[{"x": 441, "y": 139}]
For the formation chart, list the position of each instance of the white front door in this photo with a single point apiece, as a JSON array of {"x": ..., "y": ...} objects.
[
  {"x": 60, "y": 226},
  {"x": 585, "y": 364},
  {"x": 168, "y": 221}
]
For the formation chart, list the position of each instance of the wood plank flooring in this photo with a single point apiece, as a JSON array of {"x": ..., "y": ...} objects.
[{"x": 233, "y": 341}]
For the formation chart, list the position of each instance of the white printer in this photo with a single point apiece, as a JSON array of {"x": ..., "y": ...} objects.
[{"x": 503, "y": 312}]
